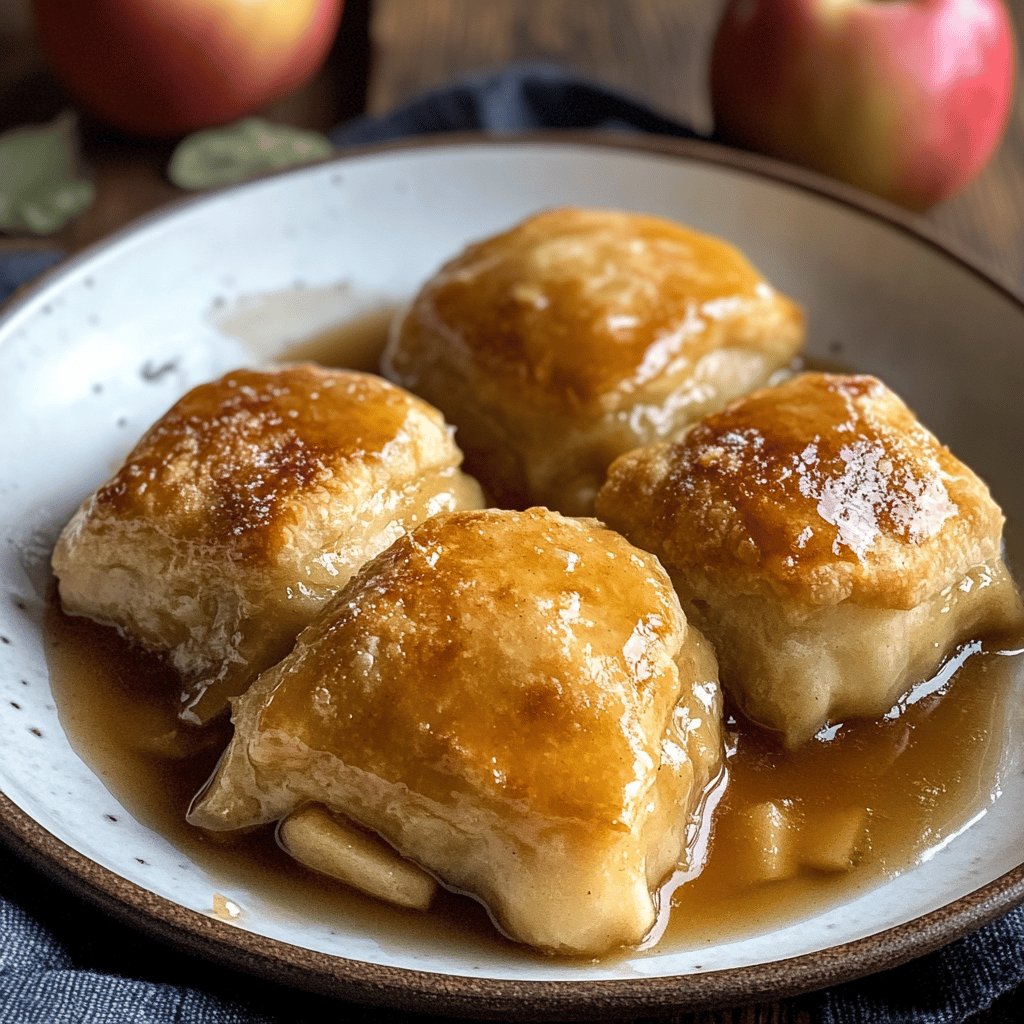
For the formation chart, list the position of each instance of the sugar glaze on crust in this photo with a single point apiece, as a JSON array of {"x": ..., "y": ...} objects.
[
  {"x": 832, "y": 550},
  {"x": 245, "y": 507},
  {"x": 825, "y": 488},
  {"x": 515, "y": 701},
  {"x": 580, "y": 334}
]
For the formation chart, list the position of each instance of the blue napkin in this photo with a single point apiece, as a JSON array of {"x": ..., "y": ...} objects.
[
  {"x": 19, "y": 266},
  {"x": 527, "y": 97},
  {"x": 61, "y": 961}
]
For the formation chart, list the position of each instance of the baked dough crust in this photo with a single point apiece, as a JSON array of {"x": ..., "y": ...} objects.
[
  {"x": 513, "y": 700},
  {"x": 248, "y": 505},
  {"x": 579, "y": 335},
  {"x": 832, "y": 550}
]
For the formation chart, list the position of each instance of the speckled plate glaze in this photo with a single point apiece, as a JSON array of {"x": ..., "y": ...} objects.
[{"x": 102, "y": 346}]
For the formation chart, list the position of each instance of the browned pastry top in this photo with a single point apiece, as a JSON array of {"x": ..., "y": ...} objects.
[
  {"x": 824, "y": 487},
  {"x": 227, "y": 465},
  {"x": 520, "y": 656},
  {"x": 582, "y": 308}
]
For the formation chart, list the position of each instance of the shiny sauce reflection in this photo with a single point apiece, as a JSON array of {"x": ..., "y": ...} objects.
[
  {"x": 912, "y": 781},
  {"x": 917, "y": 778}
]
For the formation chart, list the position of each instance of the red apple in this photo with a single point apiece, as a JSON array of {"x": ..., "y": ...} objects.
[
  {"x": 904, "y": 98},
  {"x": 166, "y": 67}
]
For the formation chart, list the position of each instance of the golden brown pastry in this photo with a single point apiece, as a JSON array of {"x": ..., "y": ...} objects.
[
  {"x": 579, "y": 335},
  {"x": 830, "y": 548},
  {"x": 244, "y": 508},
  {"x": 514, "y": 701}
]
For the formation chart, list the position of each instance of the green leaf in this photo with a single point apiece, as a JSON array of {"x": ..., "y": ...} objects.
[
  {"x": 239, "y": 151},
  {"x": 41, "y": 185}
]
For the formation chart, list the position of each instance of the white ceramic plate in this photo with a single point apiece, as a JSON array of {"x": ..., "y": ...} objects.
[{"x": 104, "y": 346}]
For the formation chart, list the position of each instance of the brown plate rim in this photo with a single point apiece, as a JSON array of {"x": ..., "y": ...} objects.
[{"x": 492, "y": 998}]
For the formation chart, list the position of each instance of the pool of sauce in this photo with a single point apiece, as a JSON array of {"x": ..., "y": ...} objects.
[
  {"x": 916, "y": 778},
  {"x": 356, "y": 345},
  {"x": 118, "y": 706},
  {"x": 913, "y": 779}
]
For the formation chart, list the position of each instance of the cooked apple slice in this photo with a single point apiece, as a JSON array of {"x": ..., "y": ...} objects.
[
  {"x": 838, "y": 841},
  {"x": 771, "y": 832},
  {"x": 335, "y": 847}
]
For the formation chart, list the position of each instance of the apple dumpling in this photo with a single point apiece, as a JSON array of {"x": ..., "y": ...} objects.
[
  {"x": 580, "y": 334},
  {"x": 829, "y": 547},
  {"x": 512, "y": 700},
  {"x": 247, "y": 506}
]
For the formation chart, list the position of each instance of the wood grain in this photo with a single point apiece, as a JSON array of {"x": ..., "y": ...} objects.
[
  {"x": 654, "y": 49},
  {"x": 657, "y": 50}
]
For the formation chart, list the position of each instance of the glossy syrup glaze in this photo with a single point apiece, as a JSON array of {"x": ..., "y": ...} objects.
[
  {"x": 917, "y": 776},
  {"x": 524, "y": 639},
  {"x": 825, "y": 486},
  {"x": 580, "y": 308},
  {"x": 245, "y": 447}
]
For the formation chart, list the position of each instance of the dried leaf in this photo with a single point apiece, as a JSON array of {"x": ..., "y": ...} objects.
[
  {"x": 239, "y": 151},
  {"x": 41, "y": 186}
]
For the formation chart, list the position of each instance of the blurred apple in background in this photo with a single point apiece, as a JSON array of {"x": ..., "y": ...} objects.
[
  {"x": 166, "y": 67},
  {"x": 904, "y": 98}
]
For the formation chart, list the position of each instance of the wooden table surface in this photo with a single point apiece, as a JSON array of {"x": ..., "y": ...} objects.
[{"x": 654, "y": 49}]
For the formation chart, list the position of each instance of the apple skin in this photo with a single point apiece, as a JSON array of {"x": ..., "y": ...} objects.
[
  {"x": 904, "y": 98},
  {"x": 162, "y": 68}
]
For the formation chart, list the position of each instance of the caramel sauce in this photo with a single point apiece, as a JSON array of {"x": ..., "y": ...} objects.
[
  {"x": 917, "y": 778},
  {"x": 118, "y": 706},
  {"x": 912, "y": 781},
  {"x": 355, "y": 345}
]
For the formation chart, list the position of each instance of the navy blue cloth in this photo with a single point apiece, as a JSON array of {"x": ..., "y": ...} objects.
[
  {"x": 983, "y": 971},
  {"x": 528, "y": 97},
  {"x": 17, "y": 267},
  {"x": 63, "y": 961}
]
